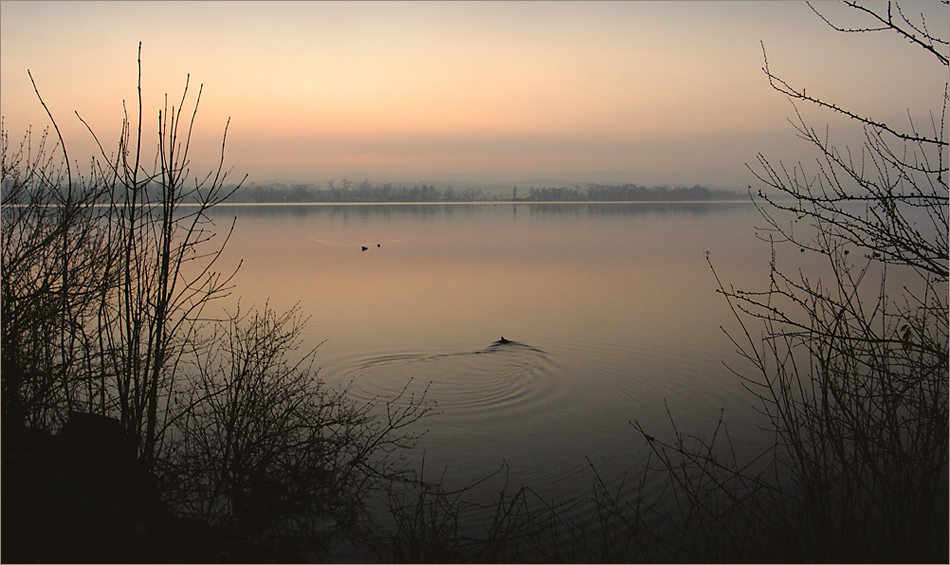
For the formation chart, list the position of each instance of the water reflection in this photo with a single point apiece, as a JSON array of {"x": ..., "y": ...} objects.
[
  {"x": 609, "y": 310},
  {"x": 416, "y": 210},
  {"x": 634, "y": 208}
]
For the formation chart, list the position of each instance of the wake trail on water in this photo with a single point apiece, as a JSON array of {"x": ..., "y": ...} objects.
[
  {"x": 497, "y": 347},
  {"x": 503, "y": 378}
]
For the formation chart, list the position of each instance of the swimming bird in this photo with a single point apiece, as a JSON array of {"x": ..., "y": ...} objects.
[
  {"x": 503, "y": 340},
  {"x": 364, "y": 248}
]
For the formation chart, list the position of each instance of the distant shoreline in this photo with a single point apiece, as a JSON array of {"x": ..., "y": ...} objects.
[{"x": 404, "y": 193}]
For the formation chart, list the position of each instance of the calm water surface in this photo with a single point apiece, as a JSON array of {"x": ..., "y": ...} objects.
[{"x": 611, "y": 309}]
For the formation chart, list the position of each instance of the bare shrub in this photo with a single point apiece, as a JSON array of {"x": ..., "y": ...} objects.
[
  {"x": 849, "y": 362},
  {"x": 264, "y": 445},
  {"x": 430, "y": 523},
  {"x": 105, "y": 292},
  {"x": 53, "y": 247}
]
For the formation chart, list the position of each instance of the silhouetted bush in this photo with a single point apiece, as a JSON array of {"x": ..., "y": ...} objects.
[
  {"x": 849, "y": 364},
  {"x": 267, "y": 447},
  {"x": 106, "y": 285}
]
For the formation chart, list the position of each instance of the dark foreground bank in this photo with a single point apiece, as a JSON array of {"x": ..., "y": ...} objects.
[{"x": 60, "y": 506}]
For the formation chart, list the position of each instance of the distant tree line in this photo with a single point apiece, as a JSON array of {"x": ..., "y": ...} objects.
[
  {"x": 366, "y": 191},
  {"x": 348, "y": 191},
  {"x": 629, "y": 193}
]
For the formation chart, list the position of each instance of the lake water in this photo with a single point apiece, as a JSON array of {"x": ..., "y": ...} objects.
[{"x": 611, "y": 309}]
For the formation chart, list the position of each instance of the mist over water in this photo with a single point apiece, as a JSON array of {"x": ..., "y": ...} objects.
[{"x": 609, "y": 312}]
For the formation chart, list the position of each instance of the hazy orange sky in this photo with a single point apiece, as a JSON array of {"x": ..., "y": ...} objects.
[{"x": 642, "y": 92}]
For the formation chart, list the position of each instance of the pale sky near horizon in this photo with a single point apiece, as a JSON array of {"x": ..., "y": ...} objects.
[{"x": 642, "y": 92}]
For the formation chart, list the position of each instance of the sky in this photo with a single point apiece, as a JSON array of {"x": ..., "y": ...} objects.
[{"x": 496, "y": 92}]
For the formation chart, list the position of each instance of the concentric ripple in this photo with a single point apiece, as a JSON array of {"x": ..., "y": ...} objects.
[{"x": 505, "y": 377}]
